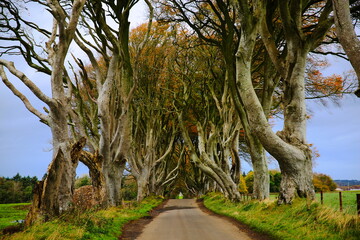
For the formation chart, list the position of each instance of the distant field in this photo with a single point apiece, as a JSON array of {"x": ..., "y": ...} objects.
[
  {"x": 10, "y": 213},
  {"x": 348, "y": 197},
  {"x": 331, "y": 199}
]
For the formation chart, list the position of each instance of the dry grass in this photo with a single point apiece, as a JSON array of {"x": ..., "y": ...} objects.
[
  {"x": 300, "y": 220},
  {"x": 102, "y": 225}
]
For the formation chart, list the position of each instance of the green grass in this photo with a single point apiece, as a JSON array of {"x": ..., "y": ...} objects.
[
  {"x": 10, "y": 213},
  {"x": 297, "y": 221},
  {"x": 331, "y": 199},
  {"x": 103, "y": 224}
]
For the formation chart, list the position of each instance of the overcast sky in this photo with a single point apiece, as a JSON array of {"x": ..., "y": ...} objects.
[{"x": 25, "y": 143}]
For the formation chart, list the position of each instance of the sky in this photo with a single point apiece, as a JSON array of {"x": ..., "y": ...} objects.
[{"x": 25, "y": 143}]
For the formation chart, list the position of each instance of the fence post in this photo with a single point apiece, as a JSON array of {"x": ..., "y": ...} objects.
[
  {"x": 322, "y": 197},
  {"x": 341, "y": 203},
  {"x": 358, "y": 203}
]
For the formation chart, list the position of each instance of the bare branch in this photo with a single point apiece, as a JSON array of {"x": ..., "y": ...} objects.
[
  {"x": 167, "y": 151},
  {"x": 37, "y": 92},
  {"x": 22, "y": 97}
]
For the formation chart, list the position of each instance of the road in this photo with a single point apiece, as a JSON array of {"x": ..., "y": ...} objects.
[{"x": 182, "y": 219}]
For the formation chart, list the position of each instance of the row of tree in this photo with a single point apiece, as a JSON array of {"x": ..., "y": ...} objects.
[
  {"x": 322, "y": 182},
  {"x": 17, "y": 189},
  {"x": 179, "y": 101}
]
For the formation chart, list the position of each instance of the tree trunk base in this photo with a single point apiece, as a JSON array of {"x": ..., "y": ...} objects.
[
  {"x": 293, "y": 188},
  {"x": 34, "y": 214}
]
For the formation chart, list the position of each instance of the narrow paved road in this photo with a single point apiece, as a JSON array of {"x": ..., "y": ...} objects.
[{"x": 181, "y": 219}]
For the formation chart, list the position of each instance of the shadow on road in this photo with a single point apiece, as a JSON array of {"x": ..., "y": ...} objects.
[{"x": 170, "y": 208}]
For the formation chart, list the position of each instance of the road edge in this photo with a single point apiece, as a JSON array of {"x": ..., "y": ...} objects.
[
  {"x": 134, "y": 228},
  {"x": 241, "y": 226}
]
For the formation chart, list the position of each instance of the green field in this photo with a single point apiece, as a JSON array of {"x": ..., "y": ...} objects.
[
  {"x": 10, "y": 213},
  {"x": 348, "y": 197},
  {"x": 331, "y": 199}
]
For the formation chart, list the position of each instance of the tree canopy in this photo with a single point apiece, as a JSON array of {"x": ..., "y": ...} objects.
[{"x": 180, "y": 101}]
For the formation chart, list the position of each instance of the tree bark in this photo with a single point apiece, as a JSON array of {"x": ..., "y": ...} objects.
[
  {"x": 113, "y": 178},
  {"x": 95, "y": 163},
  {"x": 54, "y": 195},
  {"x": 258, "y": 158},
  {"x": 143, "y": 185},
  {"x": 261, "y": 187},
  {"x": 290, "y": 150},
  {"x": 297, "y": 180},
  {"x": 51, "y": 196},
  {"x": 33, "y": 214}
]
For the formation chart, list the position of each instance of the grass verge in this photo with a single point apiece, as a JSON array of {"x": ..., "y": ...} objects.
[
  {"x": 297, "y": 221},
  {"x": 103, "y": 224}
]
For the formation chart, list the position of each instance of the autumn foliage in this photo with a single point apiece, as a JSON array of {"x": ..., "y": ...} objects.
[
  {"x": 320, "y": 85},
  {"x": 323, "y": 182}
]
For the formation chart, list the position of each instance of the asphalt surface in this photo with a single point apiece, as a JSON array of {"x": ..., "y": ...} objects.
[{"x": 182, "y": 219}]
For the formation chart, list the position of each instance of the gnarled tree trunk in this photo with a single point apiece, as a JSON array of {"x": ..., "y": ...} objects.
[
  {"x": 204, "y": 159},
  {"x": 261, "y": 187},
  {"x": 53, "y": 196},
  {"x": 296, "y": 170},
  {"x": 289, "y": 146},
  {"x": 94, "y": 162}
]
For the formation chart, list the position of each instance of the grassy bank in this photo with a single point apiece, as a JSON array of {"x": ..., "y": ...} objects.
[
  {"x": 103, "y": 224},
  {"x": 296, "y": 221}
]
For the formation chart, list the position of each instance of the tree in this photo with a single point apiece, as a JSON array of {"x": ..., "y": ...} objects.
[
  {"x": 154, "y": 128},
  {"x": 214, "y": 22},
  {"x": 242, "y": 185},
  {"x": 56, "y": 191},
  {"x": 84, "y": 180},
  {"x": 17, "y": 189},
  {"x": 115, "y": 86},
  {"x": 249, "y": 180},
  {"x": 320, "y": 87},
  {"x": 323, "y": 182},
  {"x": 275, "y": 180},
  {"x": 347, "y": 36},
  {"x": 288, "y": 146}
]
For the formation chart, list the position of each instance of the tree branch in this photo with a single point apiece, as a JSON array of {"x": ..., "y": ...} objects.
[
  {"x": 22, "y": 97},
  {"x": 20, "y": 75}
]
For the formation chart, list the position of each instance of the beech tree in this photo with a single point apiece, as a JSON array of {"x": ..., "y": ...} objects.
[
  {"x": 55, "y": 192},
  {"x": 205, "y": 113},
  {"x": 215, "y": 74},
  {"x": 288, "y": 146},
  {"x": 154, "y": 128},
  {"x": 214, "y": 22},
  {"x": 347, "y": 36},
  {"x": 107, "y": 26}
]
